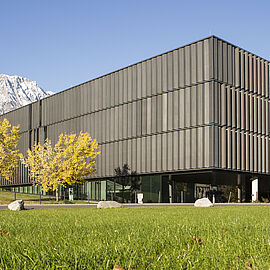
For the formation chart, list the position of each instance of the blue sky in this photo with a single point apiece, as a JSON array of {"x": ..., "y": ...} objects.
[{"x": 61, "y": 43}]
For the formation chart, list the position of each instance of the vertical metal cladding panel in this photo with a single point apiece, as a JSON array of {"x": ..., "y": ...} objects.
[
  {"x": 164, "y": 112},
  {"x": 223, "y": 105},
  {"x": 104, "y": 91},
  {"x": 129, "y": 84},
  {"x": 247, "y": 111},
  {"x": 134, "y": 154},
  {"x": 200, "y": 147},
  {"x": 175, "y": 69},
  {"x": 170, "y": 111},
  {"x": 229, "y": 148},
  {"x": 255, "y": 100},
  {"x": 35, "y": 114},
  {"x": 148, "y": 77},
  {"x": 234, "y": 150},
  {"x": 84, "y": 100},
  {"x": 164, "y": 58},
  {"x": 134, "y": 119},
  {"x": 120, "y": 161},
  {"x": 251, "y": 152},
  {"x": 134, "y": 82},
  {"x": 175, "y": 100},
  {"x": 129, "y": 153},
  {"x": 194, "y": 150},
  {"x": 120, "y": 119},
  {"x": 238, "y": 108},
  {"x": 182, "y": 108},
  {"x": 154, "y": 76},
  {"x": 187, "y": 65},
  {"x": 119, "y": 86},
  {"x": 143, "y": 154},
  {"x": 181, "y": 55},
  {"x": 130, "y": 120},
  {"x": 206, "y": 147},
  {"x": 148, "y": 116},
  {"x": 193, "y": 105},
  {"x": 259, "y": 81},
  {"x": 247, "y": 151},
  {"x": 187, "y": 144},
  {"x": 230, "y": 62},
  {"x": 193, "y": 53},
  {"x": 237, "y": 67},
  {"x": 159, "y": 74},
  {"x": 154, "y": 114},
  {"x": 247, "y": 75},
  {"x": 259, "y": 151},
  {"x": 207, "y": 55},
  {"x": 114, "y": 92},
  {"x": 87, "y": 97},
  {"x": 144, "y": 78},
  {"x": 215, "y": 143},
  {"x": 242, "y": 69},
  {"x": 263, "y": 162},
  {"x": 116, "y": 123},
  {"x": 207, "y": 104},
  {"x": 187, "y": 114},
  {"x": 159, "y": 113},
  {"x": 139, "y": 80},
  {"x": 125, "y": 84},
  {"x": 199, "y": 64},
  {"x": 124, "y": 150},
  {"x": 139, "y": 159},
  {"x": 223, "y": 145},
  {"x": 169, "y": 151},
  {"x": 263, "y": 77},
  {"x": 100, "y": 94},
  {"x": 170, "y": 71},
  {"x": 159, "y": 152},
  {"x": 259, "y": 102},
  {"x": 144, "y": 116},
  {"x": 124, "y": 120},
  {"x": 153, "y": 141},
  {"x": 148, "y": 150},
  {"x": 164, "y": 151},
  {"x": 238, "y": 150},
  {"x": 266, "y": 85},
  {"x": 266, "y": 154},
  {"x": 215, "y": 61},
  {"x": 267, "y": 118},
  {"x": 175, "y": 146},
  {"x": 255, "y": 74}
]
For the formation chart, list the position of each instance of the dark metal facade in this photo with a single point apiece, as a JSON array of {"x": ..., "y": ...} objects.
[{"x": 202, "y": 106}]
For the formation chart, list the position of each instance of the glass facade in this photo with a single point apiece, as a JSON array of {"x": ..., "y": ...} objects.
[{"x": 177, "y": 188}]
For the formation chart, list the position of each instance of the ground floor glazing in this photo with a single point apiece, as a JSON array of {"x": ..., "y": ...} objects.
[{"x": 164, "y": 188}]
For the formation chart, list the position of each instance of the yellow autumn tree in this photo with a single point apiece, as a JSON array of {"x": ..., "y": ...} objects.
[
  {"x": 9, "y": 154},
  {"x": 68, "y": 162}
]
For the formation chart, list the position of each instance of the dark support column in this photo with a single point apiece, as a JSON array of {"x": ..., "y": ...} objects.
[
  {"x": 239, "y": 188},
  {"x": 170, "y": 189}
]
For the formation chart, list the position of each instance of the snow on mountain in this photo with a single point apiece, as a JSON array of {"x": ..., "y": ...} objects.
[{"x": 16, "y": 91}]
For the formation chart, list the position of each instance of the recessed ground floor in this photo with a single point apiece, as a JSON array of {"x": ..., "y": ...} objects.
[{"x": 220, "y": 186}]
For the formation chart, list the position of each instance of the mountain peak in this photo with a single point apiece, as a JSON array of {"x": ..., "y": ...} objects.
[{"x": 17, "y": 91}]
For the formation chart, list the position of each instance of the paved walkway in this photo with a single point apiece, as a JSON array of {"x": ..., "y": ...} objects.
[{"x": 56, "y": 206}]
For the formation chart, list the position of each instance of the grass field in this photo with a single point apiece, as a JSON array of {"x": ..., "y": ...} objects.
[
  {"x": 8, "y": 197},
  {"x": 136, "y": 238}
]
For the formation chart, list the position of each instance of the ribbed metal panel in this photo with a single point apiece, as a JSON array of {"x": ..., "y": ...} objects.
[{"x": 205, "y": 105}]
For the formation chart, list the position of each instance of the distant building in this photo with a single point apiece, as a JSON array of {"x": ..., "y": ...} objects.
[{"x": 191, "y": 122}]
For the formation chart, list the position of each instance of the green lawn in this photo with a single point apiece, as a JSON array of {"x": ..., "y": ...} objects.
[
  {"x": 136, "y": 238},
  {"x": 8, "y": 197}
]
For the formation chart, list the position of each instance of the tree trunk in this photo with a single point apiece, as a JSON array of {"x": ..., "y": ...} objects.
[{"x": 57, "y": 195}]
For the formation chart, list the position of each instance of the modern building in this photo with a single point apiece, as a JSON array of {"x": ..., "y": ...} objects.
[{"x": 191, "y": 122}]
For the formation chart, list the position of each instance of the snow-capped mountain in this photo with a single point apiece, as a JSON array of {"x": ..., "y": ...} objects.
[{"x": 16, "y": 91}]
